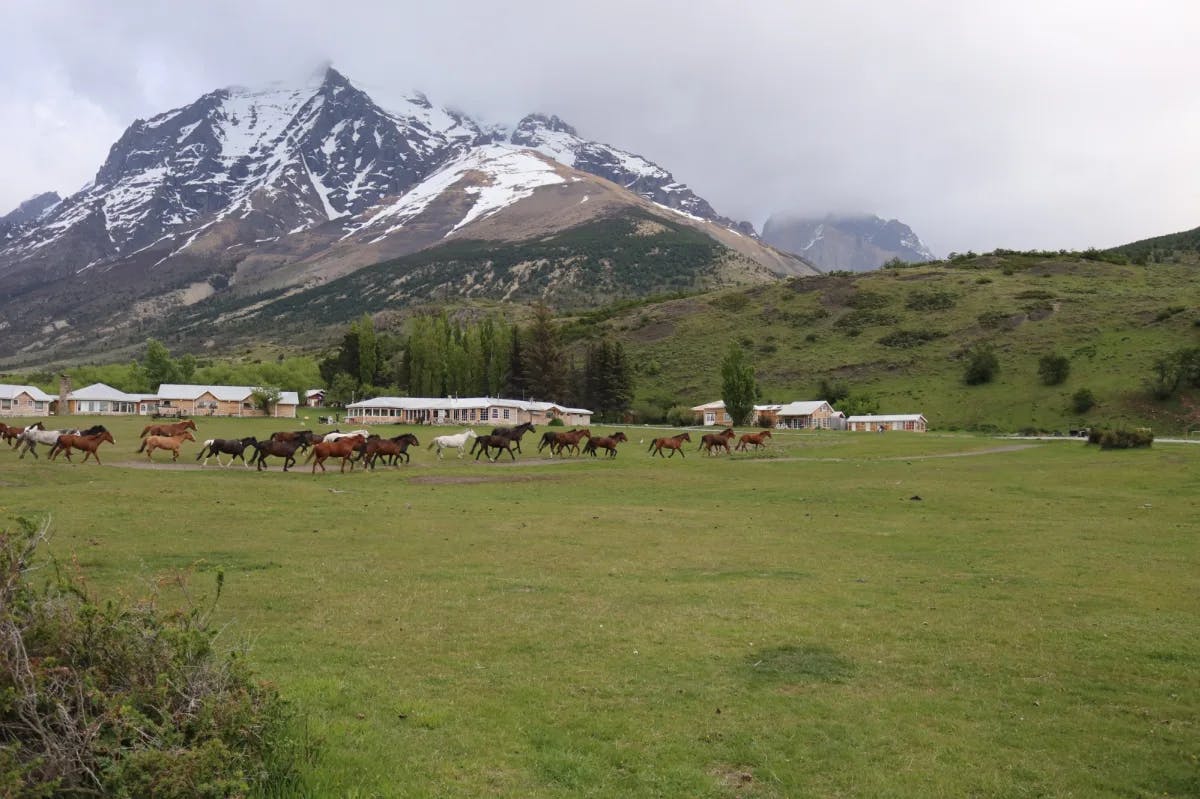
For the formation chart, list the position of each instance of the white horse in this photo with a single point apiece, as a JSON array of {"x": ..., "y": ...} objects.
[
  {"x": 31, "y": 438},
  {"x": 458, "y": 442},
  {"x": 330, "y": 437}
]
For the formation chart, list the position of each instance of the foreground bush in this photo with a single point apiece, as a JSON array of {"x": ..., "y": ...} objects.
[
  {"x": 126, "y": 700},
  {"x": 1121, "y": 439}
]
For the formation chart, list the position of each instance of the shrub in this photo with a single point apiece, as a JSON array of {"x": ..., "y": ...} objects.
[
  {"x": 905, "y": 339},
  {"x": 680, "y": 416},
  {"x": 859, "y": 318},
  {"x": 1083, "y": 400},
  {"x": 555, "y": 422},
  {"x": 122, "y": 699},
  {"x": 930, "y": 300},
  {"x": 994, "y": 319},
  {"x": 982, "y": 366},
  {"x": 1167, "y": 313},
  {"x": 864, "y": 300},
  {"x": 1121, "y": 439},
  {"x": 1054, "y": 369}
]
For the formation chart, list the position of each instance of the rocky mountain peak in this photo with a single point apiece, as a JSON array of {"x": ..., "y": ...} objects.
[{"x": 856, "y": 241}]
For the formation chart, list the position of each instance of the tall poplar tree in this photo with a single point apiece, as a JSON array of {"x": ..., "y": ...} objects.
[{"x": 738, "y": 387}]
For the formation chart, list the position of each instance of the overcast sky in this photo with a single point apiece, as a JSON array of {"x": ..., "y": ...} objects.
[{"x": 1055, "y": 123}]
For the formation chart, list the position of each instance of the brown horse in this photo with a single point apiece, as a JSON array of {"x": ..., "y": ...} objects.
[
  {"x": 343, "y": 448},
  {"x": 90, "y": 444},
  {"x": 12, "y": 434},
  {"x": 173, "y": 443},
  {"x": 673, "y": 443},
  {"x": 757, "y": 439},
  {"x": 304, "y": 438},
  {"x": 568, "y": 441},
  {"x": 607, "y": 443},
  {"x": 168, "y": 429},
  {"x": 710, "y": 441},
  {"x": 393, "y": 449},
  {"x": 279, "y": 449}
]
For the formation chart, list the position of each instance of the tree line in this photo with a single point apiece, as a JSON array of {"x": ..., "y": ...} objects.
[{"x": 439, "y": 356}]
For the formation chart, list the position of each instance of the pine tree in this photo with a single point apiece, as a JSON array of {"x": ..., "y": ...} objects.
[
  {"x": 545, "y": 373},
  {"x": 514, "y": 378}
]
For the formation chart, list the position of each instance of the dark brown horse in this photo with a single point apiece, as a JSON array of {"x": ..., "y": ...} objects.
[
  {"x": 90, "y": 444},
  {"x": 485, "y": 444},
  {"x": 278, "y": 449},
  {"x": 757, "y": 439},
  {"x": 302, "y": 437},
  {"x": 173, "y": 443},
  {"x": 673, "y": 443},
  {"x": 168, "y": 429},
  {"x": 513, "y": 433},
  {"x": 343, "y": 448},
  {"x": 607, "y": 443},
  {"x": 234, "y": 447},
  {"x": 393, "y": 449},
  {"x": 711, "y": 441}
]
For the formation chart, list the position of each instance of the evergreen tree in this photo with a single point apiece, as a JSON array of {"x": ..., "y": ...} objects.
[
  {"x": 368, "y": 355},
  {"x": 738, "y": 387},
  {"x": 514, "y": 378},
  {"x": 545, "y": 375}
]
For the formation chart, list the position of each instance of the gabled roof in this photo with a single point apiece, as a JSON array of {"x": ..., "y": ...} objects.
[
  {"x": 103, "y": 391},
  {"x": 710, "y": 406},
  {"x": 807, "y": 408},
  {"x": 312, "y": 392},
  {"x": 177, "y": 391},
  {"x": 12, "y": 391}
]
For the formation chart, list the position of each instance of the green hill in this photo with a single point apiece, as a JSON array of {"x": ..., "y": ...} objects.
[
  {"x": 1161, "y": 248},
  {"x": 902, "y": 336}
]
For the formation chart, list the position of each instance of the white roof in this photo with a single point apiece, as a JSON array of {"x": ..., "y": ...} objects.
[
  {"x": 892, "y": 417},
  {"x": 176, "y": 391},
  {"x": 710, "y": 406},
  {"x": 459, "y": 403},
  {"x": 11, "y": 392},
  {"x": 103, "y": 391},
  {"x": 807, "y": 408},
  {"x": 312, "y": 392}
]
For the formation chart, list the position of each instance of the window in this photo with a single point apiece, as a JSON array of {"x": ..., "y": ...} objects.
[
  {"x": 6, "y": 404},
  {"x": 495, "y": 413},
  {"x": 506, "y": 413}
]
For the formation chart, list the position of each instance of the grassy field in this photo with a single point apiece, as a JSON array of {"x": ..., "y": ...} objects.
[{"x": 896, "y": 615}]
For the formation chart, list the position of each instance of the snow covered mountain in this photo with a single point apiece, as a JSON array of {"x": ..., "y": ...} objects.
[
  {"x": 857, "y": 242},
  {"x": 250, "y": 190}
]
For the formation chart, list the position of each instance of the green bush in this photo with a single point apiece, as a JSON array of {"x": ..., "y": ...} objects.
[
  {"x": 555, "y": 422},
  {"x": 866, "y": 300},
  {"x": 905, "y": 339},
  {"x": 982, "y": 366},
  {"x": 1121, "y": 439},
  {"x": 930, "y": 300},
  {"x": 680, "y": 416},
  {"x": 1053, "y": 369},
  {"x": 124, "y": 699},
  {"x": 1083, "y": 400}
]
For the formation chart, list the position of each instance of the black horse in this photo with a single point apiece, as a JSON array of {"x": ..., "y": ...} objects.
[
  {"x": 302, "y": 438},
  {"x": 279, "y": 449},
  {"x": 513, "y": 433},
  {"x": 236, "y": 447}
]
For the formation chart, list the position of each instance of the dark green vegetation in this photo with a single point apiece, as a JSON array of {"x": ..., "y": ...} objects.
[
  {"x": 121, "y": 698},
  {"x": 738, "y": 389},
  {"x": 903, "y": 339},
  {"x": 1170, "y": 247},
  {"x": 787, "y": 624}
]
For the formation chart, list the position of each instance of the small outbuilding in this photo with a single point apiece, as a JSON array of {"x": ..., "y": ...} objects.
[{"x": 103, "y": 400}]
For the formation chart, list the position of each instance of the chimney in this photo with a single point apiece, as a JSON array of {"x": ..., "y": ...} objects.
[{"x": 64, "y": 391}]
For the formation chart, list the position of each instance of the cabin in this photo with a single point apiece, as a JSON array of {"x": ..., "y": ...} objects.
[
  {"x": 713, "y": 414},
  {"x": 25, "y": 401},
  {"x": 100, "y": 399},
  {"x": 912, "y": 422},
  {"x": 464, "y": 411},
  {"x": 808, "y": 415},
  {"x": 315, "y": 398},
  {"x": 188, "y": 400}
]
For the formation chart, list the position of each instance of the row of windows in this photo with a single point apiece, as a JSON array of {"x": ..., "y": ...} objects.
[
  {"x": 9, "y": 404},
  {"x": 463, "y": 415}
]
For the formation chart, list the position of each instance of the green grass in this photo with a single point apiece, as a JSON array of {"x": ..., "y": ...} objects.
[{"x": 790, "y": 624}]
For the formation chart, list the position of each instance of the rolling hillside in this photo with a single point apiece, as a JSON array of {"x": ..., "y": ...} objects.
[{"x": 901, "y": 336}]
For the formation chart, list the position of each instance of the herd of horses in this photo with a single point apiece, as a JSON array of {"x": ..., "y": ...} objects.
[{"x": 356, "y": 446}]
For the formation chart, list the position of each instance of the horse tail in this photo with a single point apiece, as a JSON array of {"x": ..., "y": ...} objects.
[
  {"x": 142, "y": 448},
  {"x": 146, "y": 430},
  {"x": 311, "y": 453},
  {"x": 432, "y": 444}
]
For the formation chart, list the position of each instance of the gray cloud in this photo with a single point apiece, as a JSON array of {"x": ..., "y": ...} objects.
[{"x": 1023, "y": 124}]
